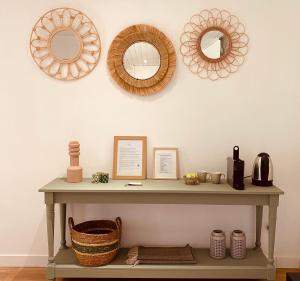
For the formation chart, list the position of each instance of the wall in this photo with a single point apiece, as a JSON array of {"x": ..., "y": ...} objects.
[{"x": 256, "y": 108}]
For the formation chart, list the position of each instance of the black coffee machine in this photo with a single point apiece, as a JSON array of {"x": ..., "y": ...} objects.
[{"x": 235, "y": 170}]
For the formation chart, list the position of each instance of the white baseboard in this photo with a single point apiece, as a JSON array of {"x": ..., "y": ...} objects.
[
  {"x": 41, "y": 261},
  {"x": 23, "y": 261},
  {"x": 287, "y": 262}
]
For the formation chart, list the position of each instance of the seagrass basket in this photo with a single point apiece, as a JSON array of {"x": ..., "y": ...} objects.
[
  {"x": 96, "y": 242},
  {"x": 191, "y": 181}
]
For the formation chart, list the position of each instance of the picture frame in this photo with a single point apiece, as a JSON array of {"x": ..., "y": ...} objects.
[
  {"x": 130, "y": 158},
  {"x": 165, "y": 163}
]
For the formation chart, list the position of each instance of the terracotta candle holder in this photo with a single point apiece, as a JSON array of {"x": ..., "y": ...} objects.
[{"x": 74, "y": 172}]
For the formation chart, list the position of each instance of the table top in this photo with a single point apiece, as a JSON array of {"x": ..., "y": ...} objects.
[{"x": 156, "y": 186}]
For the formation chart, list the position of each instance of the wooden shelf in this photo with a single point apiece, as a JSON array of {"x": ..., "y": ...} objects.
[{"x": 253, "y": 267}]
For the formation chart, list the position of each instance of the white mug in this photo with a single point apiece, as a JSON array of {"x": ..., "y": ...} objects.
[{"x": 216, "y": 177}]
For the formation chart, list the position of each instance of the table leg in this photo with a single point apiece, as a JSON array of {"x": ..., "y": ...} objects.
[
  {"x": 272, "y": 228},
  {"x": 50, "y": 231},
  {"x": 259, "y": 214},
  {"x": 63, "y": 208}
]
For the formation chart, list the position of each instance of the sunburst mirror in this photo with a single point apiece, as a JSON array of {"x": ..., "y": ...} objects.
[
  {"x": 65, "y": 44},
  {"x": 141, "y": 59},
  {"x": 214, "y": 44}
]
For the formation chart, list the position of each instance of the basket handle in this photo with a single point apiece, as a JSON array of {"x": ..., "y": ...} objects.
[
  {"x": 71, "y": 223},
  {"x": 119, "y": 226}
]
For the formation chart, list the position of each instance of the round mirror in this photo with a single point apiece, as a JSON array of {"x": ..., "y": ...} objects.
[
  {"x": 65, "y": 45},
  {"x": 141, "y": 60},
  {"x": 214, "y": 44}
]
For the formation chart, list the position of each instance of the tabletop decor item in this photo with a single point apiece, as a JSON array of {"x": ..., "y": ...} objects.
[
  {"x": 217, "y": 244},
  {"x": 262, "y": 174},
  {"x": 216, "y": 177},
  {"x": 191, "y": 179},
  {"x": 160, "y": 255},
  {"x": 141, "y": 59},
  {"x": 235, "y": 170},
  {"x": 100, "y": 177},
  {"x": 238, "y": 244},
  {"x": 165, "y": 163},
  {"x": 213, "y": 44},
  {"x": 130, "y": 157},
  {"x": 74, "y": 172},
  {"x": 65, "y": 44},
  {"x": 202, "y": 176},
  {"x": 96, "y": 242}
]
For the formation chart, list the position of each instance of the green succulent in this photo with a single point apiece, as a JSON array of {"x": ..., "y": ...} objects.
[{"x": 100, "y": 177}]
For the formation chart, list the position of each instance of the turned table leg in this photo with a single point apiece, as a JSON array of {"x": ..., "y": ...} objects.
[
  {"x": 50, "y": 272},
  {"x": 272, "y": 227},
  {"x": 63, "y": 208},
  {"x": 259, "y": 214},
  {"x": 50, "y": 231}
]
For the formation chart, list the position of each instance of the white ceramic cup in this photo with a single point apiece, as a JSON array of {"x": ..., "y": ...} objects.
[{"x": 216, "y": 177}]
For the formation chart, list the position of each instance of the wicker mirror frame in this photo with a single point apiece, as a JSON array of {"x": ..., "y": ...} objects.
[
  {"x": 141, "y": 33},
  {"x": 234, "y": 55},
  {"x": 65, "y": 19}
]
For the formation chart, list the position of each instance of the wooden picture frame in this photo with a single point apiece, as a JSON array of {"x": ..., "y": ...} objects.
[
  {"x": 126, "y": 149},
  {"x": 171, "y": 169}
]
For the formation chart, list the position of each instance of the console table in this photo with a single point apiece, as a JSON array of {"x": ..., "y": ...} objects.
[{"x": 255, "y": 266}]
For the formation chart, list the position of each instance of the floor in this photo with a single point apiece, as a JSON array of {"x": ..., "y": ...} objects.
[{"x": 38, "y": 274}]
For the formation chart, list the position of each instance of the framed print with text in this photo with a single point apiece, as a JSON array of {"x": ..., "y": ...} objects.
[
  {"x": 130, "y": 157},
  {"x": 165, "y": 163}
]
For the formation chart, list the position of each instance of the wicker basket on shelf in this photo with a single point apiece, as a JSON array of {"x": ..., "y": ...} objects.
[
  {"x": 96, "y": 242},
  {"x": 191, "y": 180}
]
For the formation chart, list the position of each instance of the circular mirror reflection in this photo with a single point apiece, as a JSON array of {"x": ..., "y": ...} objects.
[
  {"x": 141, "y": 60},
  {"x": 65, "y": 45},
  {"x": 214, "y": 44}
]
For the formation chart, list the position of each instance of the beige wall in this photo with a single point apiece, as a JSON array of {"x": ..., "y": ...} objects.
[{"x": 256, "y": 108}]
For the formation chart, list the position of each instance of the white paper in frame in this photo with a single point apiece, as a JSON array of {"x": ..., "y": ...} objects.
[
  {"x": 130, "y": 157},
  {"x": 165, "y": 163}
]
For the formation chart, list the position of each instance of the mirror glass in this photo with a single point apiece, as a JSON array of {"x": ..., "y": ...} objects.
[
  {"x": 214, "y": 44},
  {"x": 141, "y": 60},
  {"x": 65, "y": 45}
]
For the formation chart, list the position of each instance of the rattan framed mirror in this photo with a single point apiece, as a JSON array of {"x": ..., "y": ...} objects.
[
  {"x": 141, "y": 59},
  {"x": 214, "y": 44},
  {"x": 65, "y": 44}
]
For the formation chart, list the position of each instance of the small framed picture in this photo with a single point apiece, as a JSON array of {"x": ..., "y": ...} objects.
[
  {"x": 165, "y": 163},
  {"x": 130, "y": 158}
]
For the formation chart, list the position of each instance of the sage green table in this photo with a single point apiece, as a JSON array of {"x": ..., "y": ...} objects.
[{"x": 255, "y": 266}]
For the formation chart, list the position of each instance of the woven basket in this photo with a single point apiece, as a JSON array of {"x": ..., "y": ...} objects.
[
  {"x": 96, "y": 242},
  {"x": 191, "y": 181}
]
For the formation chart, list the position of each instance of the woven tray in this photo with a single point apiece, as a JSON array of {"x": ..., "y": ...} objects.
[{"x": 161, "y": 255}]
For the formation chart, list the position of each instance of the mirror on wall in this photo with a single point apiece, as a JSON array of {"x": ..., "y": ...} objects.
[
  {"x": 65, "y": 45},
  {"x": 141, "y": 60},
  {"x": 214, "y": 44}
]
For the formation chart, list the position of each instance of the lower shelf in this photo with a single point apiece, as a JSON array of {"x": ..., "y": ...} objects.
[{"x": 253, "y": 267}]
